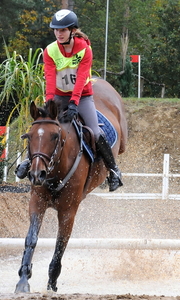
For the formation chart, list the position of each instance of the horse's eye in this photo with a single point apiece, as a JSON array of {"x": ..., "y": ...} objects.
[
  {"x": 25, "y": 136},
  {"x": 55, "y": 136}
]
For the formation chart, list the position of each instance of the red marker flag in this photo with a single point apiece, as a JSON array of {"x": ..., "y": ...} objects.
[
  {"x": 2, "y": 134},
  {"x": 134, "y": 58}
]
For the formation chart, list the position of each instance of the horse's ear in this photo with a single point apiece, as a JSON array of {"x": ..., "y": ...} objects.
[
  {"x": 34, "y": 111},
  {"x": 52, "y": 109}
]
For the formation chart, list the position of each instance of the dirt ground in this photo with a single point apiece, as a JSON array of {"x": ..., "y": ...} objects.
[
  {"x": 82, "y": 297},
  {"x": 154, "y": 129}
]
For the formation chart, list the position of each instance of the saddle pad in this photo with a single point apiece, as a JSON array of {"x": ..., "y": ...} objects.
[
  {"x": 109, "y": 131},
  {"x": 108, "y": 128}
]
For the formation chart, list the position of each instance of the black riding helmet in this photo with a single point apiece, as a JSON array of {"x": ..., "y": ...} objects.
[{"x": 64, "y": 18}]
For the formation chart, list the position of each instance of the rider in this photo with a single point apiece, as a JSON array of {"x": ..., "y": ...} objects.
[{"x": 67, "y": 63}]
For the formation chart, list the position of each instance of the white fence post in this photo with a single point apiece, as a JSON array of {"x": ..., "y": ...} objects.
[
  {"x": 165, "y": 183},
  {"x": 6, "y": 154},
  {"x": 18, "y": 162}
]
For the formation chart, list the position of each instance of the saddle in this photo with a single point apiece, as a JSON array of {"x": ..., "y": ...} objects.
[{"x": 88, "y": 141}]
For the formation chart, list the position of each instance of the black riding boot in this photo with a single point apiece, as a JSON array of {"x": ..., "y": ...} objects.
[
  {"x": 22, "y": 169},
  {"x": 114, "y": 179}
]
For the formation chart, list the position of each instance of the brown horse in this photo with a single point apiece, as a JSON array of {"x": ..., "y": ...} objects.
[{"x": 61, "y": 174}]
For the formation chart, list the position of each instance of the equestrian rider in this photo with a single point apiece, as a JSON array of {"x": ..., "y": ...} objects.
[{"x": 67, "y": 65}]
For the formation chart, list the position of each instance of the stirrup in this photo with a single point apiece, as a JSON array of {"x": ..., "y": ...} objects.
[{"x": 114, "y": 180}]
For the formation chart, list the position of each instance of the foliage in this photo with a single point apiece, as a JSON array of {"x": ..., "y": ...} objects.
[
  {"x": 152, "y": 27},
  {"x": 153, "y": 30},
  {"x": 165, "y": 54},
  {"x": 28, "y": 25},
  {"x": 126, "y": 80},
  {"x": 10, "y": 12},
  {"x": 21, "y": 82}
]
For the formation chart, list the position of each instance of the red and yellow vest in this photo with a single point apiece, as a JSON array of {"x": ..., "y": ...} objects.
[{"x": 66, "y": 67}]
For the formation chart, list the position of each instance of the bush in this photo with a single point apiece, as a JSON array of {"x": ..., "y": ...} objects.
[{"x": 21, "y": 82}]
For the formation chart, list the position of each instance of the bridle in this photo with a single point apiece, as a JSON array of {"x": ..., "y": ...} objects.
[
  {"x": 51, "y": 159},
  {"x": 43, "y": 156}
]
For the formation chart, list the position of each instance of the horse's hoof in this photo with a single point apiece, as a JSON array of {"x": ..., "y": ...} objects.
[
  {"x": 22, "y": 286},
  {"x": 52, "y": 287}
]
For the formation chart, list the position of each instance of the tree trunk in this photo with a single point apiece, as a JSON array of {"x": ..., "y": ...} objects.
[
  {"x": 67, "y": 4},
  {"x": 124, "y": 36}
]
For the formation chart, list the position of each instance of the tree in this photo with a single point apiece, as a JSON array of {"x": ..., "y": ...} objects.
[
  {"x": 149, "y": 28},
  {"x": 67, "y": 4},
  {"x": 33, "y": 28},
  {"x": 10, "y": 12},
  {"x": 162, "y": 62}
]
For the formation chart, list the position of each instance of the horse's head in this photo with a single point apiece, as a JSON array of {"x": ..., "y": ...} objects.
[{"x": 43, "y": 142}]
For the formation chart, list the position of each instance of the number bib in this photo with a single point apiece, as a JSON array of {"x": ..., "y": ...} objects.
[{"x": 66, "y": 79}]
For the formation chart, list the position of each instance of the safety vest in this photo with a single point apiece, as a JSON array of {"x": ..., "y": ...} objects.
[{"x": 66, "y": 67}]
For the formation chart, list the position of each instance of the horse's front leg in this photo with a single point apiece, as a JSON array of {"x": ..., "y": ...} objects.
[
  {"x": 66, "y": 221},
  {"x": 25, "y": 271}
]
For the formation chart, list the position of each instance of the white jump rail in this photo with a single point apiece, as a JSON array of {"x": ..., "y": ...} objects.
[
  {"x": 98, "y": 243},
  {"x": 165, "y": 186}
]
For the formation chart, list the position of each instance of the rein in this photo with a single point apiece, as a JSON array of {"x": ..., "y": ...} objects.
[
  {"x": 75, "y": 165},
  {"x": 16, "y": 160}
]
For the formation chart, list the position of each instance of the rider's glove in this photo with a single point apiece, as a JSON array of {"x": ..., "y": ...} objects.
[{"x": 71, "y": 113}]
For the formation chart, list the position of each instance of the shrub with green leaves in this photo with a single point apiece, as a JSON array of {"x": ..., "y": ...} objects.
[{"x": 21, "y": 82}]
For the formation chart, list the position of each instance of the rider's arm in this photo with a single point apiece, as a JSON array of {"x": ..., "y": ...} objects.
[
  {"x": 50, "y": 75},
  {"x": 83, "y": 73}
]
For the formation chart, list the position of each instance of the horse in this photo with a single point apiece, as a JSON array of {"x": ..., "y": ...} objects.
[{"x": 62, "y": 174}]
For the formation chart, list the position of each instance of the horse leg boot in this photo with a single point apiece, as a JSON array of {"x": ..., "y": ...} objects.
[
  {"x": 114, "y": 179},
  {"x": 25, "y": 271},
  {"x": 55, "y": 265},
  {"x": 66, "y": 221}
]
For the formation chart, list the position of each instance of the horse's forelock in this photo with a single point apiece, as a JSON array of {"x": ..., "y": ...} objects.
[
  {"x": 46, "y": 111},
  {"x": 51, "y": 109},
  {"x": 43, "y": 112}
]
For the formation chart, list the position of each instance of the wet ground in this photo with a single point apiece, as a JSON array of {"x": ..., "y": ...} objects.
[{"x": 100, "y": 273}]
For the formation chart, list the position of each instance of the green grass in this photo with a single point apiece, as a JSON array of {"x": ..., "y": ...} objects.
[
  {"x": 135, "y": 104},
  {"x": 151, "y": 101}
]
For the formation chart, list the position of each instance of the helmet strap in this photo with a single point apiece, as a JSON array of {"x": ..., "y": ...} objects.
[{"x": 69, "y": 40}]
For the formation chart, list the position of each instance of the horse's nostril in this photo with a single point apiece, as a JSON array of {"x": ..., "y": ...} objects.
[
  {"x": 30, "y": 177},
  {"x": 42, "y": 176},
  {"x": 37, "y": 178}
]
